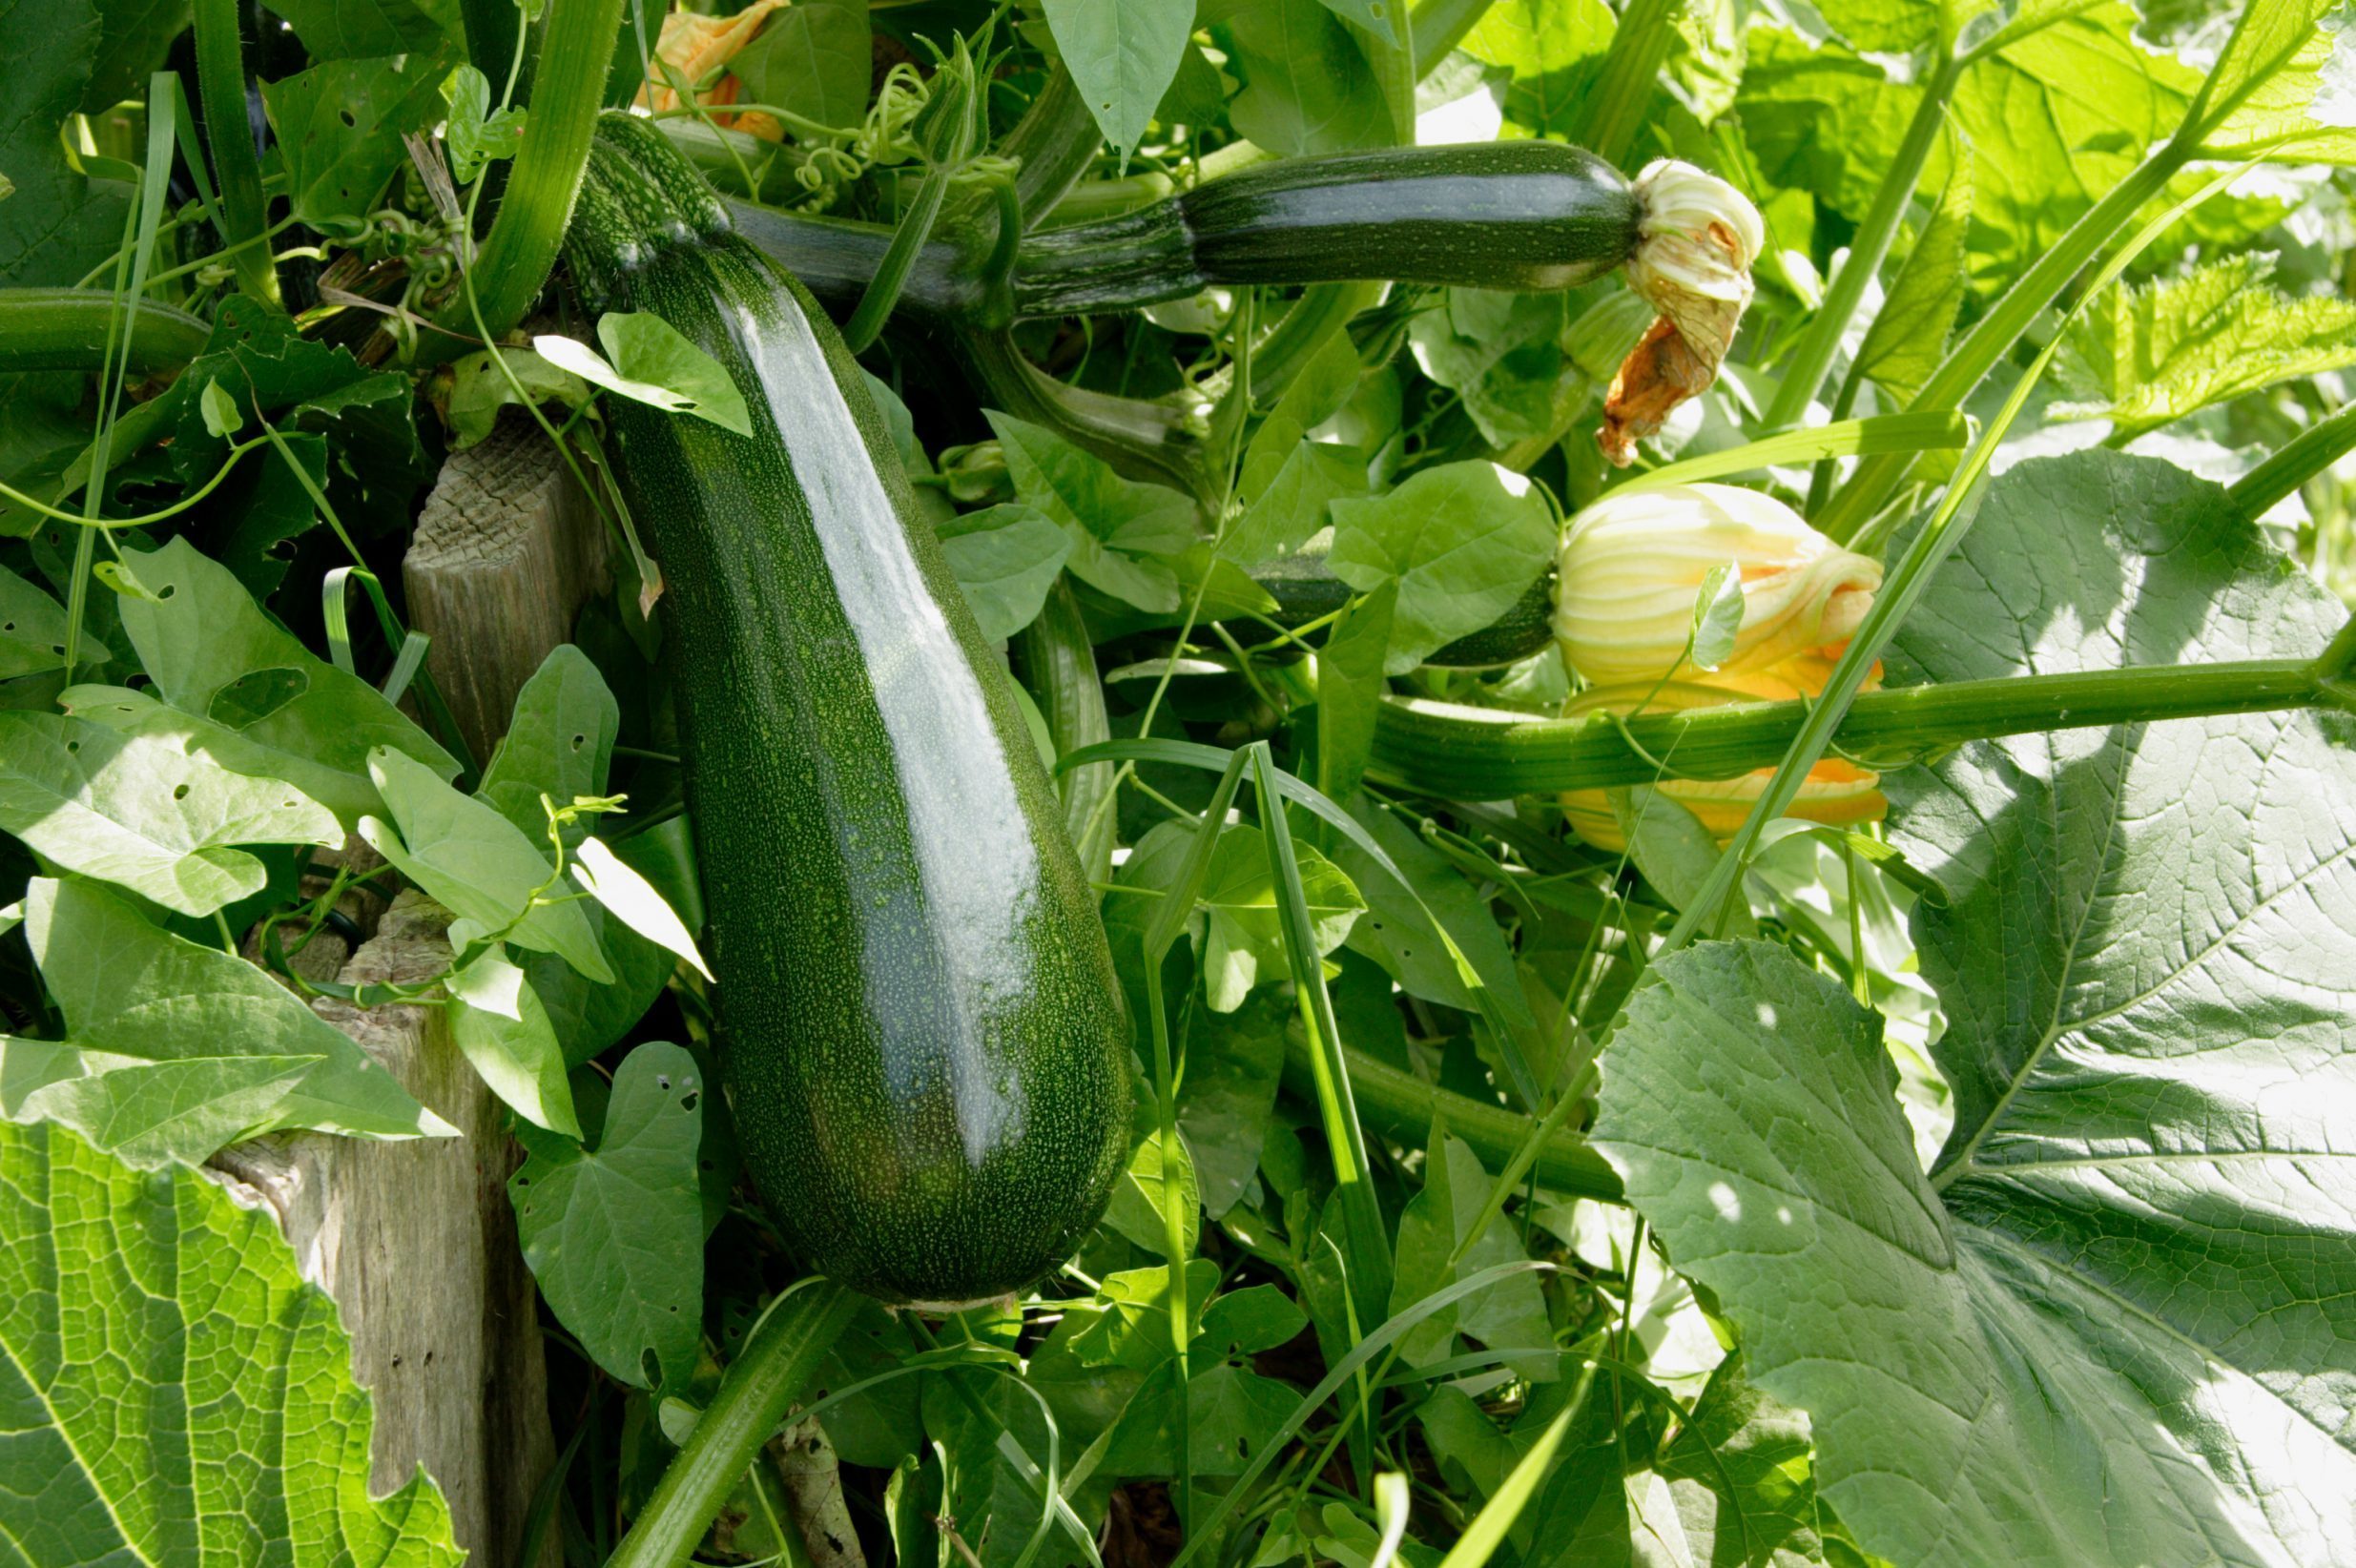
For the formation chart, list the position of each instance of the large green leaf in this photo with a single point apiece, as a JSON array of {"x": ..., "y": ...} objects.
[
  {"x": 172, "y": 1391},
  {"x": 233, "y": 684},
  {"x": 1463, "y": 541},
  {"x": 2055, "y": 121},
  {"x": 475, "y": 862},
  {"x": 341, "y": 30},
  {"x": 1122, "y": 57},
  {"x": 2112, "y": 1324},
  {"x": 174, "y": 1050},
  {"x": 340, "y": 127}
]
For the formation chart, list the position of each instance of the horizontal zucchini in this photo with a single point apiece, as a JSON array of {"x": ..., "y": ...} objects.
[
  {"x": 923, "y": 1036},
  {"x": 1527, "y": 215}
]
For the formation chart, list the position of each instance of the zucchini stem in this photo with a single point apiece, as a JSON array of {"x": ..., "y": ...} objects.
[
  {"x": 777, "y": 1365},
  {"x": 67, "y": 329},
  {"x": 1804, "y": 377},
  {"x": 1468, "y": 753},
  {"x": 569, "y": 85},
  {"x": 1400, "y": 1106}
]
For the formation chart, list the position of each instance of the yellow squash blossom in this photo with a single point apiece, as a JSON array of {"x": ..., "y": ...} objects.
[
  {"x": 692, "y": 46},
  {"x": 1631, "y": 565},
  {"x": 1631, "y": 570}
]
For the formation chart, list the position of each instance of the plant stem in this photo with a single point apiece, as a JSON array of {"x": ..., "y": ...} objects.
[
  {"x": 2314, "y": 449},
  {"x": 65, "y": 329},
  {"x": 1804, "y": 377},
  {"x": 569, "y": 85},
  {"x": 1399, "y": 1104},
  {"x": 1631, "y": 72},
  {"x": 1438, "y": 25},
  {"x": 1059, "y": 668},
  {"x": 1972, "y": 358},
  {"x": 221, "y": 81},
  {"x": 776, "y": 1366},
  {"x": 1453, "y": 753}
]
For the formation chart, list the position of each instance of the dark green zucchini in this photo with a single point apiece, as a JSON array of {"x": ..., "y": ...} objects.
[
  {"x": 1523, "y": 215},
  {"x": 1306, "y": 590},
  {"x": 1518, "y": 214},
  {"x": 923, "y": 1037}
]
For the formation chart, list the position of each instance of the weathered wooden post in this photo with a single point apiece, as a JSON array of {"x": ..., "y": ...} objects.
[{"x": 416, "y": 1241}]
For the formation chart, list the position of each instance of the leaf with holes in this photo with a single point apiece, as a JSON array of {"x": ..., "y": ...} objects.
[
  {"x": 559, "y": 743},
  {"x": 2111, "y": 1324},
  {"x": 144, "y": 813},
  {"x": 1123, "y": 57},
  {"x": 615, "y": 1234},
  {"x": 246, "y": 692},
  {"x": 174, "y": 1050},
  {"x": 340, "y": 127}
]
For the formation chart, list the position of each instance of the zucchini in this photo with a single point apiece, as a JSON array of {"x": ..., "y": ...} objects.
[
  {"x": 1516, "y": 215},
  {"x": 923, "y": 1036},
  {"x": 1306, "y": 591},
  {"x": 1523, "y": 215}
]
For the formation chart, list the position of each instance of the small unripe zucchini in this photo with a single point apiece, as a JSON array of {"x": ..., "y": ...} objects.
[
  {"x": 1522, "y": 215},
  {"x": 1518, "y": 214},
  {"x": 923, "y": 1036}
]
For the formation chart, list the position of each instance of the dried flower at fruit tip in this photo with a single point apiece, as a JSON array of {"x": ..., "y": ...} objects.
[
  {"x": 1699, "y": 237},
  {"x": 1631, "y": 565}
]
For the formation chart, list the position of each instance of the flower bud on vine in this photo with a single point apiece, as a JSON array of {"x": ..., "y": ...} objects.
[
  {"x": 1631, "y": 568},
  {"x": 1631, "y": 565}
]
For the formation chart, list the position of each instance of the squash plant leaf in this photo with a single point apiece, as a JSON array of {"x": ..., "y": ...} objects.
[
  {"x": 2153, "y": 354},
  {"x": 2055, "y": 120},
  {"x": 2111, "y": 1323},
  {"x": 142, "y": 812},
  {"x": 1463, "y": 541},
  {"x": 614, "y": 1234},
  {"x": 174, "y": 1050},
  {"x": 168, "y": 1370},
  {"x": 813, "y": 58},
  {"x": 1909, "y": 334}
]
